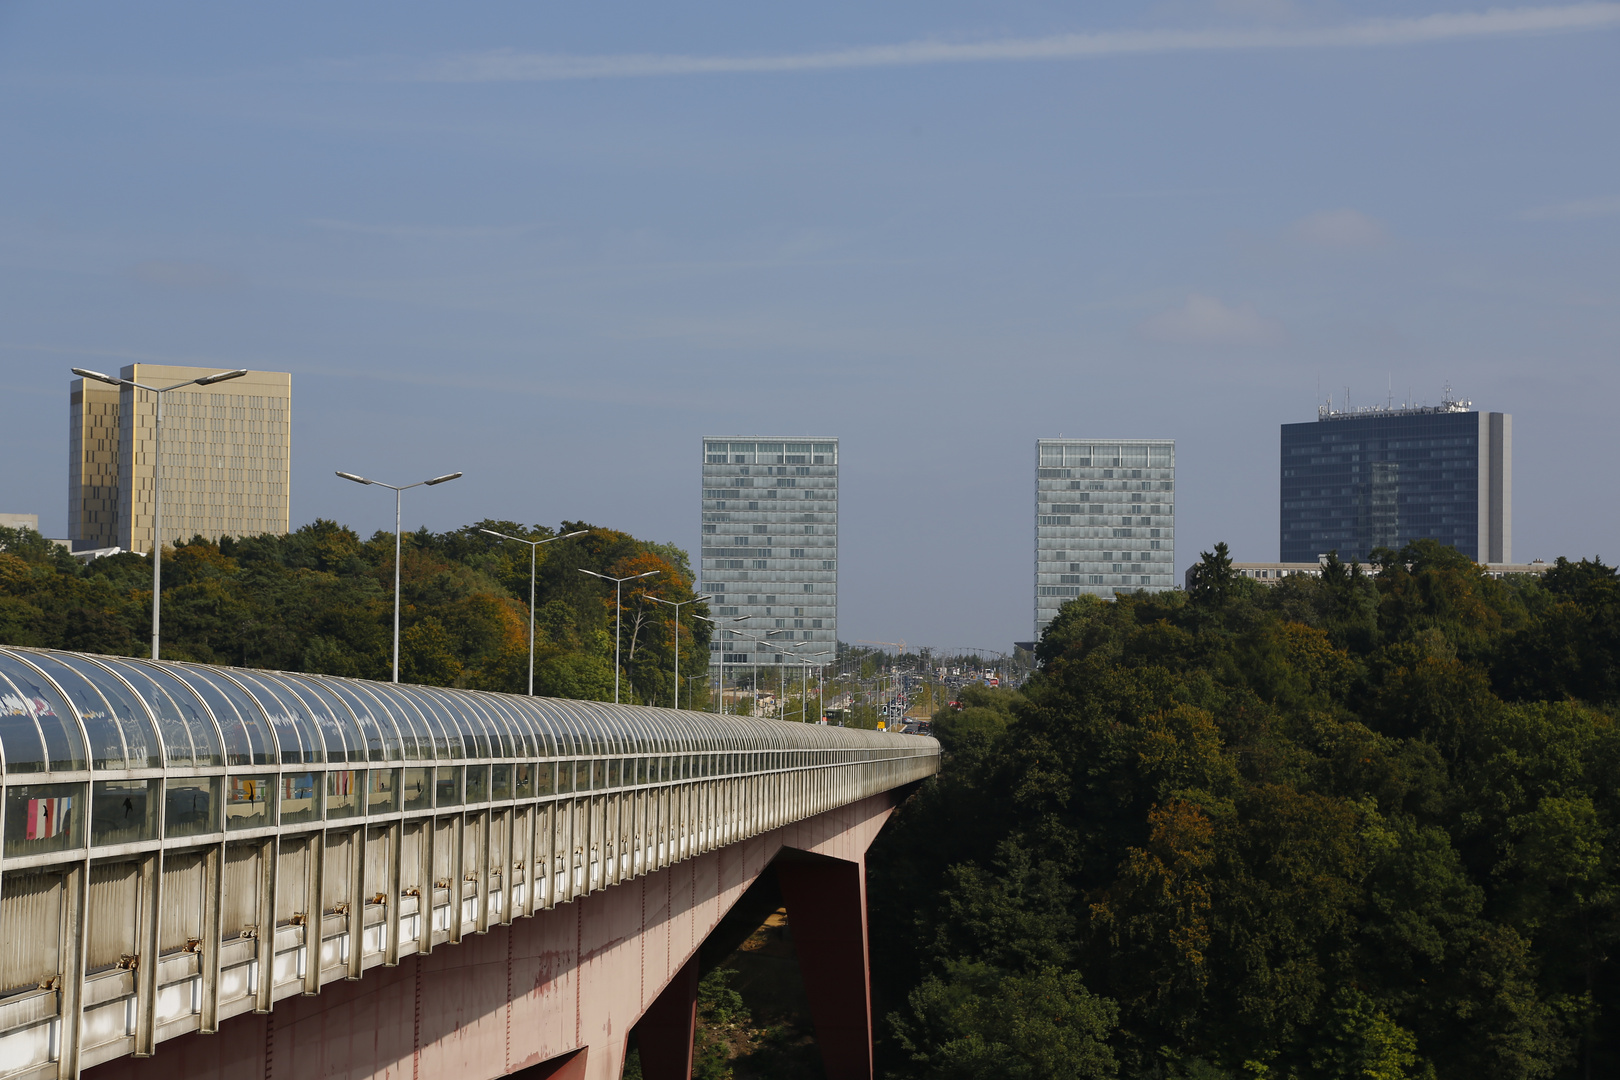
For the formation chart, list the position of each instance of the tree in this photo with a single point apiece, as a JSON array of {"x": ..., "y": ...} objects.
[
  {"x": 1213, "y": 577},
  {"x": 975, "y": 1023},
  {"x": 320, "y": 599},
  {"x": 1326, "y": 828}
]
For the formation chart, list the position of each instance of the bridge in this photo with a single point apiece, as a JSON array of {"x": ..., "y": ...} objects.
[{"x": 258, "y": 875}]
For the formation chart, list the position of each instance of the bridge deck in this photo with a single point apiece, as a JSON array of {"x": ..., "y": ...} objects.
[{"x": 183, "y": 844}]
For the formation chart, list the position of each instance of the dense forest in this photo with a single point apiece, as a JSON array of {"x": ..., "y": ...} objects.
[
  {"x": 322, "y": 600},
  {"x": 1361, "y": 826}
]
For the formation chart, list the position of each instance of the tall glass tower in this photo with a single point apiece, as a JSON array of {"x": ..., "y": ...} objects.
[
  {"x": 1105, "y": 520},
  {"x": 1359, "y": 479},
  {"x": 770, "y": 546}
]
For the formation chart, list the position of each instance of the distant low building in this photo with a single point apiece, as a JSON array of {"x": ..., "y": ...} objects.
[
  {"x": 1270, "y": 573},
  {"x": 30, "y": 522},
  {"x": 1502, "y": 570},
  {"x": 1266, "y": 573},
  {"x": 85, "y": 555}
]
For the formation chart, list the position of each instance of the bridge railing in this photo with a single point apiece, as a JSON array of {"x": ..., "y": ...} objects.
[{"x": 182, "y": 844}]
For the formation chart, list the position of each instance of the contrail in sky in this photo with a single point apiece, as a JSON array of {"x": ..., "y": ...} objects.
[{"x": 513, "y": 66}]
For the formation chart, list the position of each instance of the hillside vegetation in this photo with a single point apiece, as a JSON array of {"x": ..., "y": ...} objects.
[
  {"x": 1362, "y": 826},
  {"x": 322, "y": 600}
]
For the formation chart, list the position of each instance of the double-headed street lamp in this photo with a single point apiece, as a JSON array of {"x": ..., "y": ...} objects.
[
  {"x": 804, "y": 681},
  {"x": 534, "y": 545},
  {"x": 157, "y": 471},
  {"x": 805, "y": 664},
  {"x": 677, "y": 606},
  {"x": 397, "y": 489},
  {"x": 720, "y": 697},
  {"x": 618, "y": 615},
  {"x": 784, "y": 650},
  {"x": 781, "y": 674}
]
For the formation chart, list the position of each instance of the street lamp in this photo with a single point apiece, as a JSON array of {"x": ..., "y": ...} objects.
[
  {"x": 689, "y": 681},
  {"x": 781, "y": 673},
  {"x": 781, "y": 685},
  {"x": 157, "y": 471},
  {"x": 753, "y": 668},
  {"x": 397, "y": 490},
  {"x": 677, "y": 607},
  {"x": 534, "y": 545},
  {"x": 720, "y": 697},
  {"x": 618, "y": 615},
  {"x": 804, "y": 682}
]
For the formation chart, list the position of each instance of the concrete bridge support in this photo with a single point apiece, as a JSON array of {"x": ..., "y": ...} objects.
[
  {"x": 555, "y": 995},
  {"x": 826, "y": 907},
  {"x": 666, "y": 1033}
]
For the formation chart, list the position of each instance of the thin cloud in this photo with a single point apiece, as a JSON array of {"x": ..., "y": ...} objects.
[
  {"x": 1204, "y": 320},
  {"x": 1577, "y": 211},
  {"x": 169, "y": 274},
  {"x": 422, "y": 232},
  {"x": 1344, "y": 229},
  {"x": 513, "y": 66}
]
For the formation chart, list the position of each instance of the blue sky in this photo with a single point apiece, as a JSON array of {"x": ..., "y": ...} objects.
[{"x": 552, "y": 247}]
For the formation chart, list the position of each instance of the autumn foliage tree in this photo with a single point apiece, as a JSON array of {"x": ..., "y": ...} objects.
[{"x": 320, "y": 599}]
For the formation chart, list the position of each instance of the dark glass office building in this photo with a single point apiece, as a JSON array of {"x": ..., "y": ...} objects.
[{"x": 1361, "y": 479}]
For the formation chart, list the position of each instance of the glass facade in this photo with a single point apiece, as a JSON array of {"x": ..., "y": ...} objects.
[
  {"x": 1105, "y": 520},
  {"x": 770, "y": 546},
  {"x": 1356, "y": 481}
]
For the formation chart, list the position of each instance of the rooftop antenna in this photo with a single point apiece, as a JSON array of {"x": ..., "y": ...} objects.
[{"x": 1389, "y": 387}]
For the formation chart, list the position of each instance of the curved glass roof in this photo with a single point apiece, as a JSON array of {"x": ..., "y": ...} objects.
[{"x": 63, "y": 711}]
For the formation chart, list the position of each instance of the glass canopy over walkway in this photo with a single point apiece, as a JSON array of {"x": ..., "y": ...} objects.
[{"x": 183, "y": 843}]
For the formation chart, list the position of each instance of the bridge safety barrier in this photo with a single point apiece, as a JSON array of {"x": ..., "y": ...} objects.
[{"x": 181, "y": 843}]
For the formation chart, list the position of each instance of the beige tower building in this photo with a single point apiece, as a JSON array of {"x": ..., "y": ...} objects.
[
  {"x": 226, "y": 467},
  {"x": 93, "y": 465}
]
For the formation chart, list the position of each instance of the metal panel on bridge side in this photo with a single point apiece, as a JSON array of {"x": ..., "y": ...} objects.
[{"x": 577, "y": 976}]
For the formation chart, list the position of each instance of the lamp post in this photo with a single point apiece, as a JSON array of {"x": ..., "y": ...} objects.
[
  {"x": 754, "y": 668},
  {"x": 720, "y": 697},
  {"x": 534, "y": 545},
  {"x": 677, "y": 606},
  {"x": 157, "y": 471},
  {"x": 782, "y": 675},
  {"x": 689, "y": 681},
  {"x": 804, "y": 683},
  {"x": 618, "y": 615},
  {"x": 397, "y": 489}
]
